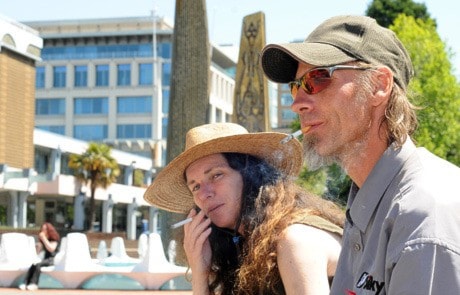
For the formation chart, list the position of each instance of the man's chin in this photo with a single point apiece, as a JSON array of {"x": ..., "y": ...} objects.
[{"x": 313, "y": 159}]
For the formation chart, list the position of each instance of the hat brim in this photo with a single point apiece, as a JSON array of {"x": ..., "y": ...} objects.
[
  {"x": 169, "y": 190},
  {"x": 280, "y": 61}
]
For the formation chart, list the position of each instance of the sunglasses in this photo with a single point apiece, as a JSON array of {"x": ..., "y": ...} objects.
[{"x": 318, "y": 79}]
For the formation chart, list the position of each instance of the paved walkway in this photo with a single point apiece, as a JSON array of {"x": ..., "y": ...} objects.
[{"x": 8, "y": 291}]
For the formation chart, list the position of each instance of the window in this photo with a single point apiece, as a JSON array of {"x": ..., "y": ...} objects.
[
  {"x": 102, "y": 75},
  {"x": 134, "y": 105},
  {"x": 59, "y": 129},
  {"x": 164, "y": 50},
  {"x": 165, "y": 101},
  {"x": 164, "y": 128},
  {"x": 288, "y": 115},
  {"x": 40, "y": 77},
  {"x": 81, "y": 76},
  {"x": 94, "y": 105},
  {"x": 90, "y": 132},
  {"x": 145, "y": 74},
  {"x": 97, "y": 51},
  {"x": 49, "y": 106},
  {"x": 41, "y": 160},
  {"x": 59, "y": 76},
  {"x": 166, "y": 69},
  {"x": 134, "y": 131},
  {"x": 124, "y": 75},
  {"x": 286, "y": 99}
]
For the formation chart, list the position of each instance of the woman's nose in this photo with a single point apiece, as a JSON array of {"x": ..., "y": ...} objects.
[{"x": 206, "y": 191}]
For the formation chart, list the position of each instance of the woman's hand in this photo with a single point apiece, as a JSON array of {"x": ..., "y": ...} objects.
[
  {"x": 198, "y": 249},
  {"x": 49, "y": 245}
]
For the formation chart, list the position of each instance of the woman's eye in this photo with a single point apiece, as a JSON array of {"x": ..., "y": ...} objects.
[
  {"x": 217, "y": 175},
  {"x": 195, "y": 188}
]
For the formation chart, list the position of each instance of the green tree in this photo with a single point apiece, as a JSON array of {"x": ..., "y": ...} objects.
[
  {"x": 386, "y": 11},
  {"x": 97, "y": 168},
  {"x": 435, "y": 87}
]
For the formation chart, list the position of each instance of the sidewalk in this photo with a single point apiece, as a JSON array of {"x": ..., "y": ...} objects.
[{"x": 11, "y": 291}]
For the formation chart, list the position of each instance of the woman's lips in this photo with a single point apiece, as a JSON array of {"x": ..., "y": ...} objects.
[{"x": 213, "y": 208}]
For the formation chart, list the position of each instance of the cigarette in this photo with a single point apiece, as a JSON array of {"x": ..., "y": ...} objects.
[
  {"x": 181, "y": 223},
  {"x": 295, "y": 134}
]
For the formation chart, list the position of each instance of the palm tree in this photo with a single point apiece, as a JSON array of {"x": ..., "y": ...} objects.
[{"x": 98, "y": 168}]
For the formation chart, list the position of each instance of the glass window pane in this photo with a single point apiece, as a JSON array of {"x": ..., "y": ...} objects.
[
  {"x": 49, "y": 106},
  {"x": 81, "y": 76},
  {"x": 102, "y": 75},
  {"x": 140, "y": 131},
  {"x": 134, "y": 104},
  {"x": 145, "y": 74},
  {"x": 165, "y": 102},
  {"x": 59, "y": 76},
  {"x": 40, "y": 77},
  {"x": 166, "y": 70},
  {"x": 288, "y": 115},
  {"x": 286, "y": 99},
  {"x": 124, "y": 75},
  {"x": 59, "y": 129},
  {"x": 90, "y": 132},
  {"x": 93, "y": 105}
]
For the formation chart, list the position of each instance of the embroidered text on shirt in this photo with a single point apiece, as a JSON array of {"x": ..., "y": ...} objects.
[{"x": 367, "y": 282}]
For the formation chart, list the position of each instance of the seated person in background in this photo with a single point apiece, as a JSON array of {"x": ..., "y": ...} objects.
[
  {"x": 48, "y": 239},
  {"x": 253, "y": 230}
]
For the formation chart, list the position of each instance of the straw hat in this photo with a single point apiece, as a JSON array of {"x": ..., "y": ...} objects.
[{"x": 169, "y": 190}]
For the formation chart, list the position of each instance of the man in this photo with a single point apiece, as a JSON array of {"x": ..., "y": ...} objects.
[{"x": 349, "y": 80}]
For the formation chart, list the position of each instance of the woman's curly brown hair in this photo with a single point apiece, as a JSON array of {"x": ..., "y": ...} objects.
[{"x": 277, "y": 207}]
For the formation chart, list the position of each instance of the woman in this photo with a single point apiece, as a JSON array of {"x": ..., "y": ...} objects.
[
  {"x": 254, "y": 231},
  {"x": 49, "y": 243}
]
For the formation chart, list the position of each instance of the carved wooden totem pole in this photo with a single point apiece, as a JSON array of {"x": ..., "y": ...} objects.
[{"x": 251, "y": 98}]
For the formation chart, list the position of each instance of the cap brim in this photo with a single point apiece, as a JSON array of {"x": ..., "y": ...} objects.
[
  {"x": 280, "y": 61},
  {"x": 169, "y": 191}
]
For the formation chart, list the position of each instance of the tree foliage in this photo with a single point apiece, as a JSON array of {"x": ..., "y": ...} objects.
[
  {"x": 386, "y": 11},
  {"x": 435, "y": 87},
  {"x": 97, "y": 168}
]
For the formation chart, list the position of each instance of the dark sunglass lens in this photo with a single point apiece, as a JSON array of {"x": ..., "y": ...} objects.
[{"x": 317, "y": 80}]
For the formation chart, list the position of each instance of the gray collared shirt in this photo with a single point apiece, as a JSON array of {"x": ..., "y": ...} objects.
[{"x": 402, "y": 234}]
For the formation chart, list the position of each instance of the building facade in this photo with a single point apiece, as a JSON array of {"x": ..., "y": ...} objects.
[
  {"x": 97, "y": 80},
  {"x": 104, "y": 80},
  {"x": 108, "y": 80},
  {"x": 20, "y": 48}
]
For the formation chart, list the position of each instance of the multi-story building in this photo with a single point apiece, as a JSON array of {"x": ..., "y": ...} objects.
[
  {"x": 48, "y": 191},
  {"x": 102, "y": 80},
  {"x": 108, "y": 80},
  {"x": 97, "y": 80},
  {"x": 20, "y": 48}
]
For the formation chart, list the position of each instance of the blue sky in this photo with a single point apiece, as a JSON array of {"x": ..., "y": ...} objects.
[{"x": 286, "y": 20}]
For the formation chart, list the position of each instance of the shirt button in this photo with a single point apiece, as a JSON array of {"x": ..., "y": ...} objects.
[{"x": 357, "y": 247}]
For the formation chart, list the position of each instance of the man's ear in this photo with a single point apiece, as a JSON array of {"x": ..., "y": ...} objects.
[{"x": 383, "y": 84}]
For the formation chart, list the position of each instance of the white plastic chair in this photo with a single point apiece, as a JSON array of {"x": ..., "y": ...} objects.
[
  {"x": 155, "y": 258},
  {"x": 102, "y": 251},
  {"x": 77, "y": 256},
  {"x": 61, "y": 251},
  {"x": 117, "y": 248},
  {"x": 142, "y": 245},
  {"x": 17, "y": 251}
]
